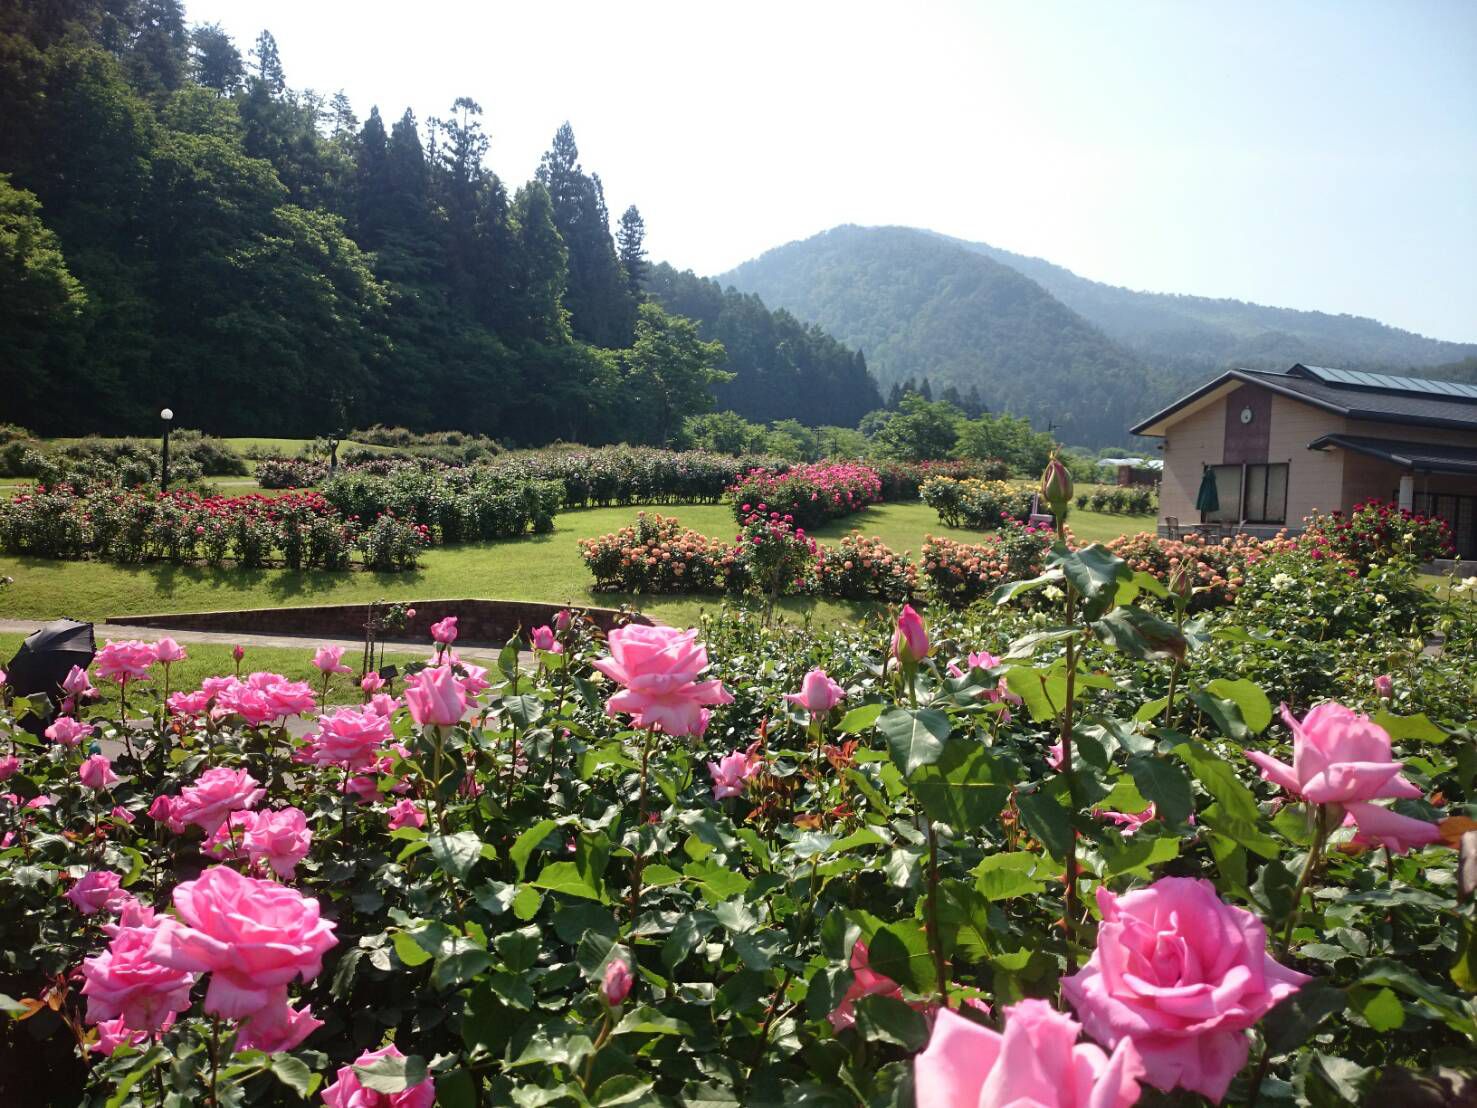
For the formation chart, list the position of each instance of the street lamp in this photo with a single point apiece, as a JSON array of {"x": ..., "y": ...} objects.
[{"x": 166, "y": 414}]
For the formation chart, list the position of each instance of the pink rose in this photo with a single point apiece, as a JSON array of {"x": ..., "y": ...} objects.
[
  {"x": 68, "y": 731},
  {"x": 818, "y": 693},
  {"x": 444, "y": 631},
  {"x": 658, "y": 667},
  {"x": 409, "y": 613},
  {"x": 125, "y": 661},
  {"x": 97, "y": 890},
  {"x": 383, "y": 704},
  {"x": 1056, "y": 755},
  {"x": 406, "y": 813},
  {"x": 561, "y": 620},
  {"x": 168, "y": 651},
  {"x": 435, "y": 697},
  {"x": 280, "y": 838},
  {"x": 277, "y": 1027},
  {"x": 1338, "y": 756},
  {"x": 252, "y": 936},
  {"x": 189, "y": 704},
  {"x": 1384, "y": 685},
  {"x": 329, "y": 659},
  {"x": 372, "y": 682},
  {"x": 543, "y": 639},
  {"x": 473, "y": 679},
  {"x": 864, "y": 982},
  {"x": 126, "y": 983},
  {"x": 238, "y": 652},
  {"x": 215, "y": 794},
  {"x": 733, "y": 772},
  {"x": 1379, "y": 826},
  {"x": 1036, "y": 1062},
  {"x": 111, "y": 1034},
  {"x": 77, "y": 685},
  {"x": 9, "y": 766},
  {"x": 97, "y": 773},
  {"x": 1184, "y": 975},
  {"x": 616, "y": 985},
  {"x": 350, "y": 737},
  {"x": 348, "y": 1092},
  {"x": 910, "y": 637}
]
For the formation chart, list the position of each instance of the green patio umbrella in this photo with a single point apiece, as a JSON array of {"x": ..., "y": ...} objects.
[{"x": 1208, "y": 499}]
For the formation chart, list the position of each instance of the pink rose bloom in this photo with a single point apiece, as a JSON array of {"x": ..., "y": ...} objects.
[
  {"x": 1384, "y": 685},
  {"x": 347, "y": 1092},
  {"x": 1056, "y": 755},
  {"x": 864, "y": 982},
  {"x": 189, "y": 704},
  {"x": 329, "y": 659},
  {"x": 1379, "y": 826},
  {"x": 121, "y": 814},
  {"x": 1338, "y": 756},
  {"x": 733, "y": 772},
  {"x": 435, "y": 696},
  {"x": 68, "y": 731},
  {"x": 97, "y": 773},
  {"x": 616, "y": 985},
  {"x": 818, "y": 694},
  {"x": 659, "y": 667},
  {"x": 543, "y": 639},
  {"x": 277, "y": 1027},
  {"x": 125, "y": 661},
  {"x": 168, "y": 651},
  {"x": 126, "y": 983},
  {"x": 473, "y": 679},
  {"x": 215, "y": 794},
  {"x": 406, "y": 813},
  {"x": 444, "y": 631},
  {"x": 910, "y": 638},
  {"x": 279, "y": 839},
  {"x": 97, "y": 890},
  {"x": 111, "y": 1034},
  {"x": 9, "y": 766},
  {"x": 409, "y": 613},
  {"x": 1036, "y": 1062},
  {"x": 350, "y": 737},
  {"x": 364, "y": 787},
  {"x": 383, "y": 704},
  {"x": 1129, "y": 822},
  {"x": 372, "y": 682},
  {"x": 77, "y": 684},
  {"x": 561, "y": 620},
  {"x": 1184, "y": 975},
  {"x": 252, "y": 936},
  {"x": 238, "y": 652}
]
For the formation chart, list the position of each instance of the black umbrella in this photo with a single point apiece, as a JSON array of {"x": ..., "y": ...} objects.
[{"x": 43, "y": 662}]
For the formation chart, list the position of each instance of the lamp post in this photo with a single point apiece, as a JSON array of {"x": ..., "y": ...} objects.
[{"x": 166, "y": 414}]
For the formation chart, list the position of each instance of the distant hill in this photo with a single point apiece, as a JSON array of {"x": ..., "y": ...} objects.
[
  {"x": 1201, "y": 333},
  {"x": 920, "y": 305},
  {"x": 1040, "y": 341},
  {"x": 784, "y": 369}
]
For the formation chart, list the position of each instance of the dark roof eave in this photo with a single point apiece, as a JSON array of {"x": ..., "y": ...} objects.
[
  {"x": 1391, "y": 453},
  {"x": 1211, "y": 386}
]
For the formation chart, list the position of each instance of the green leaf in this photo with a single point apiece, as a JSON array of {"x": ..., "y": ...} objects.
[
  {"x": 1224, "y": 714},
  {"x": 1139, "y": 634},
  {"x": 528, "y": 842},
  {"x": 900, "y": 951},
  {"x": 1012, "y": 589},
  {"x": 409, "y": 951},
  {"x": 623, "y": 1088},
  {"x": 646, "y": 1020},
  {"x": 859, "y": 719},
  {"x": 294, "y": 1073},
  {"x": 456, "y": 853},
  {"x": 1096, "y": 573},
  {"x": 1464, "y": 972},
  {"x": 1290, "y": 1023},
  {"x": 457, "y": 968},
  {"x": 1417, "y": 727},
  {"x": 1031, "y": 685},
  {"x": 887, "y": 1019},
  {"x": 1139, "y": 854},
  {"x": 1003, "y": 876},
  {"x": 1383, "y": 1010},
  {"x": 1255, "y": 708},
  {"x": 965, "y": 788},
  {"x": 915, "y": 736},
  {"x": 568, "y": 878},
  {"x": 1047, "y": 820},
  {"x": 1220, "y": 781},
  {"x": 392, "y": 1075},
  {"x": 719, "y": 883},
  {"x": 1164, "y": 783}
]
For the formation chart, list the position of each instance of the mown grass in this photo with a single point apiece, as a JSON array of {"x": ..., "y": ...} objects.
[
  {"x": 210, "y": 659},
  {"x": 536, "y": 567}
]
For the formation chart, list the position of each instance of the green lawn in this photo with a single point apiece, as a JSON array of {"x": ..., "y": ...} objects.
[
  {"x": 537, "y": 567},
  {"x": 209, "y": 660}
]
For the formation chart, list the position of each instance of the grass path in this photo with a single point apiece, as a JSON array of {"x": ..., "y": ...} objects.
[{"x": 537, "y": 567}]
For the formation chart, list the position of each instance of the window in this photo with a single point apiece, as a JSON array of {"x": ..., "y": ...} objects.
[
  {"x": 1250, "y": 494},
  {"x": 1266, "y": 493}
]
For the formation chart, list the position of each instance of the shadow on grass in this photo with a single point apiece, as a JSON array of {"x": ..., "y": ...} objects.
[{"x": 282, "y": 585}]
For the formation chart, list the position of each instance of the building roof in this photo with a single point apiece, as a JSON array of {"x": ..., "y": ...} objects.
[
  {"x": 1378, "y": 398},
  {"x": 1423, "y": 457}
]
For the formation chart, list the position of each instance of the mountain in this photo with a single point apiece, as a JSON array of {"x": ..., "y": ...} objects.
[
  {"x": 783, "y": 369},
  {"x": 920, "y": 305},
  {"x": 1200, "y": 333}
]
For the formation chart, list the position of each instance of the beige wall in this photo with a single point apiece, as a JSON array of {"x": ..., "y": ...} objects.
[
  {"x": 1315, "y": 478},
  {"x": 1192, "y": 442}
]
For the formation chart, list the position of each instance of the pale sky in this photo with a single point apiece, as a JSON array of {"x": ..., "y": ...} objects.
[{"x": 1303, "y": 154}]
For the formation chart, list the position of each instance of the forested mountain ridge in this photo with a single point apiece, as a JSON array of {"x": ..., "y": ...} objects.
[
  {"x": 919, "y": 306},
  {"x": 783, "y": 369},
  {"x": 1199, "y": 332}
]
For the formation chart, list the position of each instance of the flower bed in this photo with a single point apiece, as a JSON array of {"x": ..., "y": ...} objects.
[
  {"x": 1133, "y": 500},
  {"x": 862, "y": 568},
  {"x": 778, "y": 866},
  {"x": 961, "y": 573},
  {"x": 1375, "y": 532},
  {"x": 904, "y": 480},
  {"x": 977, "y": 505},
  {"x": 810, "y": 494},
  {"x": 454, "y": 505},
  {"x": 657, "y": 554}
]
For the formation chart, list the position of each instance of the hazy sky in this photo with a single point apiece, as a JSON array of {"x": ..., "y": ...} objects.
[{"x": 1304, "y": 154}]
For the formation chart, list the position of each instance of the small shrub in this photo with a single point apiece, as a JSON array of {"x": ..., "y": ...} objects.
[
  {"x": 977, "y": 505},
  {"x": 1374, "y": 532},
  {"x": 809, "y": 494},
  {"x": 862, "y": 568},
  {"x": 962, "y": 573},
  {"x": 657, "y": 555},
  {"x": 392, "y": 545}
]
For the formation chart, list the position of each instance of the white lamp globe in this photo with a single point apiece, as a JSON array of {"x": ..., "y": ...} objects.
[{"x": 166, "y": 414}]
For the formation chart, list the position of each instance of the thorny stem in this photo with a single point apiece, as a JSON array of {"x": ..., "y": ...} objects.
[
  {"x": 1315, "y": 853},
  {"x": 639, "y": 862},
  {"x": 779, "y": 993},
  {"x": 1069, "y": 769},
  {"x": 935, "y": 943},
  {"x": 599, "y": 1042},
  {"x": 215, "y": 1052}
]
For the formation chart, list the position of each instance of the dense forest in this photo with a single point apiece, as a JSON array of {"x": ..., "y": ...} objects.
[
  {"x": 179, "y": 227},
  {"x": 919, "y": 306},
  {"x": 783, "y": 369}
]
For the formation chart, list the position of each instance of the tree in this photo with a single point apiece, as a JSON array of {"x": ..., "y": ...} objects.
[
  {"x": 269, "y": 72},
  {"x": 1007, "y": 437},
  {"x": 723, "y": 433},
  {"x": 158, "y": 51},
  {"x": 541, "y": 267},
  {"x": 630, "y": 237},
  {"x": 215, "y": 62},
  {"x": 920, "y": 430},
  {"x": 668, "y": 374}
]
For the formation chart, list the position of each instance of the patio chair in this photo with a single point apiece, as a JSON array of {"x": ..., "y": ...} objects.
[{"x": 1171, "y": 527}]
